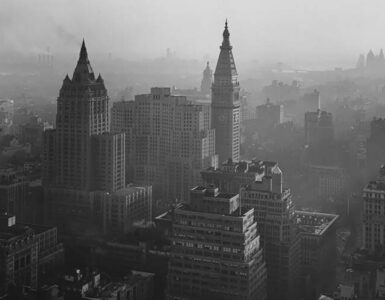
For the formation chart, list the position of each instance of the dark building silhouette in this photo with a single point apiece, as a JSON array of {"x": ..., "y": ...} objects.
[
  {"x": 274, "y": 212},
  {"x": 216, "y": 252},
  {"x": 225, "y": 103},
  {"x": 207, "y": 80},
  {"x": 81, "y": 159}
]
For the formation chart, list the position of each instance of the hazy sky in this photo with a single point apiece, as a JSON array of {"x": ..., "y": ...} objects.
[{"x": 300, "y": 31}]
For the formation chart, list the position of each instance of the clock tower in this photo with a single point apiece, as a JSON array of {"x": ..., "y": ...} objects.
[{"x": 225, "y": 104}]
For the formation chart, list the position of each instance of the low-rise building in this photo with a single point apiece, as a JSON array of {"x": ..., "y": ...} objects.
[{"x": 126, "y": 206}]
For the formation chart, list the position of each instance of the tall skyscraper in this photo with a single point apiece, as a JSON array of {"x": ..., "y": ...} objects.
[
  {"x": 170, "y": 141},
  {"x": 225, "y": 103},
  {"x": 216, "y": 252},
  {"x": 80, "y": 156},
  {"x": 274, "y": 212},
  {"x": 207, "y": 80}
]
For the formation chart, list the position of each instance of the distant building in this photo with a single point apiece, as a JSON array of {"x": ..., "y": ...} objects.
[
  {"x": 13, "y": 192},
  {"x": 127, "y": 206},
  {"x": 268, "y": 116},
  {"x": 373, "y": 227},
  {"x": 207, "y": 80},
  {"x": 312, "y": 101},
  {"x": 225, "y": 104},
  {"x": 274, "y": 212},
  {"x": 169, "y": 140},
  {"x": 327, "y": 181},
  {"x": 375, "y": 146},
  {"x": 216, "y": 251},
  {"x": 318, "y": 251},
  {"x": 6, "y": 115},
  {"x": 319, "y": 137},
  {"x": 279, "y": 92}
]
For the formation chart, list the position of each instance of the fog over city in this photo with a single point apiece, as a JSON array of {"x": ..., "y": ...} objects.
[
  {"x": 309, "y": 34},
  {"x": 192, "y": 150}
]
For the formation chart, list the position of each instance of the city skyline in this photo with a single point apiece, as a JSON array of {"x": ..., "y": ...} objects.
[
  {"x": 173, "y": 179},
  {"x": 321, "y": 36}
]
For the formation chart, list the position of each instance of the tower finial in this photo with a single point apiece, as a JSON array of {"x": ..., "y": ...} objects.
[{"x": 226, "y": 35}]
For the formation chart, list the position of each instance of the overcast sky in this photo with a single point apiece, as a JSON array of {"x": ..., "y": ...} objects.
[{"x": 299, "y": 31}]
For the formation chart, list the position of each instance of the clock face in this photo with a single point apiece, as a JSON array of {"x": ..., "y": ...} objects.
[{"x": 221, "y": 118}]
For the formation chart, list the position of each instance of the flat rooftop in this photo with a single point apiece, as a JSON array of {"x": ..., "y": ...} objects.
[
  {"x": 239, "y": 212},
  {"x": 39, "y": 228},
  {"x": 130, "y": 189},
  {"x": 315, "y": 223},
  {"x": 14, "y": 231},
  {"x": 378, "y": 185}
]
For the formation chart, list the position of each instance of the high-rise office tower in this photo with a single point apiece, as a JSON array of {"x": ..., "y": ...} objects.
[
  {"x": 375, "y": 147},
  {"x": 80, "y": 156},
  {"x": 216, "y": 252},
  {"x": 225, "y": 103},
  {"x": 274, "y": 212},
  {"x": 170, "y": 141},
  {"x": 207, "y": 80},
  {"x": 373, "y": 227}
]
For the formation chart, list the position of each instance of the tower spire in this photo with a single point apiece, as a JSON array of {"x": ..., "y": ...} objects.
[{"x": 83, "y": 51}]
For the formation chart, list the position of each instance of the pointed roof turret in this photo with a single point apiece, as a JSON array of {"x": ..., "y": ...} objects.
[
  {"x": 226, "y": 37},
  {"x": 207, "y": 71},
  {"x": 226, "y": 65},
  {"x": 83, "y": 51},
  {"x": 67, "y": 79},
  {"x": 100, "y": 79},
  {"x": 83, "y": 72}
]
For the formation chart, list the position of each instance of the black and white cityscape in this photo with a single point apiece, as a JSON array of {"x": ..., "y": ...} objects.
[{"x": 192, "y": 150}]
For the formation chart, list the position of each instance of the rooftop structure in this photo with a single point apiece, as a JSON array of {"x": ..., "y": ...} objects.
[{"x": 314, "y": 222}]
